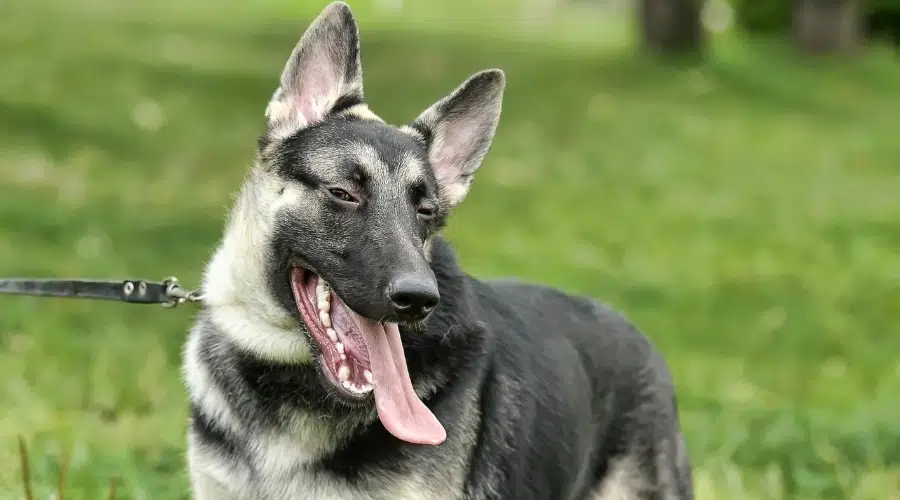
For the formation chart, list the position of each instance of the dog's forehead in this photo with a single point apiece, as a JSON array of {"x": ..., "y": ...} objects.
[{"x": 367, "y": 150}]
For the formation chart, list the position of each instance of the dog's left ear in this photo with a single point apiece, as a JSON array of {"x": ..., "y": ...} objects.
[
  {"x": 323, "y": 73},
  {"x": 458, "y": 131}
]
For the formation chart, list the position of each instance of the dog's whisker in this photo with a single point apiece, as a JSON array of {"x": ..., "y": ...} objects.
[{"x": 444, "y": 337}]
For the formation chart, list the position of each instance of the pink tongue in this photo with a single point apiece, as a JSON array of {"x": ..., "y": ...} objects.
[{"x": 401, "y": 411}]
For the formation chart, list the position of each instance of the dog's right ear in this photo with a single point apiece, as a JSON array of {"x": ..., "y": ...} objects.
[{"x": 323, "y": 75}]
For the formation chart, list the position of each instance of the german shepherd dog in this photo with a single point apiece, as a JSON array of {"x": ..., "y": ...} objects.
[{"x": 341, "y": 353}]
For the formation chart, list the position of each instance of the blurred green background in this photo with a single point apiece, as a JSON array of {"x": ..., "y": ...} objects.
[{"x": 742, "y": 208}]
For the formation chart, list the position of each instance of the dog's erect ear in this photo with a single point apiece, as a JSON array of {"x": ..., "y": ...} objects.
[
  {"x": 458, "y": 131},
  {"x": 323, "y": 74}
]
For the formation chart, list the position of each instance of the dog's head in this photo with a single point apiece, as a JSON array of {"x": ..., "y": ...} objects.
[
  {"x": 359, "y": 198},
  {"x": 349, "y": 203}
]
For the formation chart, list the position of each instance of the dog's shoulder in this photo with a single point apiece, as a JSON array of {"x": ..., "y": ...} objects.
[
  {"x": 562, "y": 362},
  {"x": 587, "y": 324}
]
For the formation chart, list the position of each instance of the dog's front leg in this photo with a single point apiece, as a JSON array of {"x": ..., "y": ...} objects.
[
  {"x": 206, "y": 487},
  {"x": 211, "y": 479}
]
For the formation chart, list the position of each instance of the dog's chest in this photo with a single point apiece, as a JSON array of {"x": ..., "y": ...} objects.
[
  {"x": 308, "y": 485},
  {"x": 284, "y": 472}
]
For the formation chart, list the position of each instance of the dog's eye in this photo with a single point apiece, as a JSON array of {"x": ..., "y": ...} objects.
[
  {"x": 426, "y": 212},
  {"x": 342, "y": 195}
]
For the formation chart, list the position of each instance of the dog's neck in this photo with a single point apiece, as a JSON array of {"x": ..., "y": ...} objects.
[{"x": 236, "y": 292}]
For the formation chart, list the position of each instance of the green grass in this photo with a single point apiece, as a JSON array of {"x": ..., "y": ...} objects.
[{"x": 745, "y": 212}]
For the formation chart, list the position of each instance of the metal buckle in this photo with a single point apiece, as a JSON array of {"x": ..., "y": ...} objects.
[{"x": 178, "y": 295}]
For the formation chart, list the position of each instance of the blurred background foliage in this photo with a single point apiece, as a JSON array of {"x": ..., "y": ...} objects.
[{"x": 725, "y": 173}]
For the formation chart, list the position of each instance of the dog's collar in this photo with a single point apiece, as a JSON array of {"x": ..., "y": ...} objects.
[{"x": 167, "y": 293}]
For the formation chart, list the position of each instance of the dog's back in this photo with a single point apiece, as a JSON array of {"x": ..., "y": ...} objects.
[{"x": 582, "y": 393}]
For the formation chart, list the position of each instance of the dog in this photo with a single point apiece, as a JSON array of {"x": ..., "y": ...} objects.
[{"x": 341, "y": 352}]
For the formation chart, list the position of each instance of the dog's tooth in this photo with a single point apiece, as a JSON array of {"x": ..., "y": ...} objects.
[
  {"x": 340, "y": 347},
  {"x": 323, "y": 295},
  {"x": 332, "y": 334},
  {"x": 343, "y": 357},
  {"x": 344, "y": 373},
  {"x": 356, "y": 389},
  {"x": 325, "y": 318},
  {"x": 368, "y": 376}
]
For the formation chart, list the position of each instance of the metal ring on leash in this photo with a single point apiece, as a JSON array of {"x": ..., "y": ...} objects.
[{"x": 178, "y": 295}]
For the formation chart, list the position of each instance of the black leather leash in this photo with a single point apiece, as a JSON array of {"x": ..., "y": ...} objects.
[{"x": 167, "y": 293}]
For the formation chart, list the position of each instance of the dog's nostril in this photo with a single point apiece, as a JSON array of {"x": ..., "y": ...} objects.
[
  {"x": 412, "y": 302},
  {"x": 402, "y": 301},
  {"x": 413, "y": 297}
]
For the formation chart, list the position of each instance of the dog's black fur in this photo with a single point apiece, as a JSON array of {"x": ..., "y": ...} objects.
[{"x": 566, "y": 388}]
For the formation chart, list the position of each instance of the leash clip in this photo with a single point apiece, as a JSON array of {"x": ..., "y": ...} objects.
[{"x": 178, "y": 295}]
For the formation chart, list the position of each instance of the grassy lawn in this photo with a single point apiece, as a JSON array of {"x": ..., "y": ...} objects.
[{"x": 744, "y": 212}]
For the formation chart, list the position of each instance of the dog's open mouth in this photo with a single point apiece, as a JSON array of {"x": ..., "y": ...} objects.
[{"x": 360, "y": 356}]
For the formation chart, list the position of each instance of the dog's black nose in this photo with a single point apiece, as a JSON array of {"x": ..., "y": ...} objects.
[{"x": 413, "y": 297}]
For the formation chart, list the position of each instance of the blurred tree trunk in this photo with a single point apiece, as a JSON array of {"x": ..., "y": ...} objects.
[
  {"x": 671, "y": 26},
  {"x": 826, "y": 26}
]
